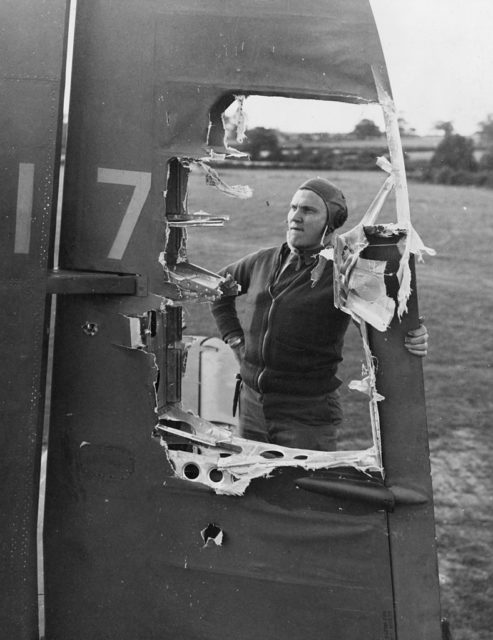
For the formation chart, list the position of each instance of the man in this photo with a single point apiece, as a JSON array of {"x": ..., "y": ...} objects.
[{"x": 290, "y": 343}]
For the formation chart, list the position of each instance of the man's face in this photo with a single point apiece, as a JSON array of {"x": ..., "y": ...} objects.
[{"x": 307, "y": 219}]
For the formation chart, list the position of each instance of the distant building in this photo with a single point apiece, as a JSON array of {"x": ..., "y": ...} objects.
[{"x": 345, "y": 151}]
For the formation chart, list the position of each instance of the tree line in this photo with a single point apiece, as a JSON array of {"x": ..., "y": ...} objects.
[{"x": 452, "y": 161}]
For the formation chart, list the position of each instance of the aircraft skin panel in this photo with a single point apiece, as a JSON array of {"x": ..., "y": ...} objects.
[
  {"x": 125, "y": 548},
  {"x": 406, "y": 458},
  {"x": 143, "y": 95},
  {"x": 32, "y": 50},
  {"x": 268, "y": 54}
]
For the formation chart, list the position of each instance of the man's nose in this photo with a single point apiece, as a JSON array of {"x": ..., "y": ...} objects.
[{"x": 296, "y": 214}]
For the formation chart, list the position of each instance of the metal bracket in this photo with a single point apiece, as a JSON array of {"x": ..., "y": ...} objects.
[{"x": 95, "y": 282}]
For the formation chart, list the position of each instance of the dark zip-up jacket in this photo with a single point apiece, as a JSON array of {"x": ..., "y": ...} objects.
[{"x": 293, "y": 332}]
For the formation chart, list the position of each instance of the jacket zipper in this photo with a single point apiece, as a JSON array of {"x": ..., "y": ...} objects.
[
  {"x": 262, "y": 350},
  {"x": 264, "y": 342},
  {"x": 269, "y": 315}
]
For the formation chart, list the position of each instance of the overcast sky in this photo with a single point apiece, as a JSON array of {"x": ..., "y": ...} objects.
[{"x": 439, "y": 56}]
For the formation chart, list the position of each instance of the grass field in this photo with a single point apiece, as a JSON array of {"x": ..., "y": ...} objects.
[{"x": 455, "y": 293}]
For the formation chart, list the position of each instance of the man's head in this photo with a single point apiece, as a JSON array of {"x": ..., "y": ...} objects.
[{"x": 317, "y": 207}]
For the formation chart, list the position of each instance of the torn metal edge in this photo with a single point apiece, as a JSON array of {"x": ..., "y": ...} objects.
[
  {"x": 213, "y": 179},
  {"x": 227, "y": 463},
  {"x": 375, "y": 397},
  {"x": 239, "y": 122},
  {"x": 348, "y": 247},
  {"x": 413, "y": 242},
  {"x": 194, "y": 282}
]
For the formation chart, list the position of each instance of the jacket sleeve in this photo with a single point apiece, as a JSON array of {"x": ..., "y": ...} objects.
[{"x": 224, "y": 309}]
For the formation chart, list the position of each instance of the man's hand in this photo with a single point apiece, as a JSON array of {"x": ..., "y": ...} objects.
[
  {"x": 416, "y": 341},
  {"x": 237, "y": 344}
]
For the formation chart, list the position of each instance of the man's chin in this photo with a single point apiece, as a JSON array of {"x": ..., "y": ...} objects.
[
  {"x": 295, "y": 239},
  {"x": 300, "y": 242}
]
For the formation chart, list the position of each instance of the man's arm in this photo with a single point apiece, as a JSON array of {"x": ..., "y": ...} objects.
[
  {"x": 226, "y": 318},
  {"x": 224, "y": 309}
]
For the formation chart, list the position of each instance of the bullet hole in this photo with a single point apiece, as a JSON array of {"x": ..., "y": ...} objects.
[
  {"x": 212, "y": 534},
  {"x": 90, "y": 328}
]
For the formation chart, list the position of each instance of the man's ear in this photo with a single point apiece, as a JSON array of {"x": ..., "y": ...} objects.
[{"x": 340, "y": 218}]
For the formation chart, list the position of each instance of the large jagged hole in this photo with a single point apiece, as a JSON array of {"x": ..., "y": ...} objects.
[
  {"x": 260, "y": 222},
  {"x": 207, "y": 449}
]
